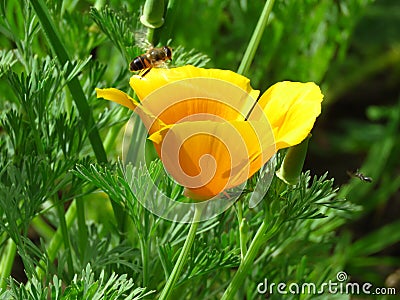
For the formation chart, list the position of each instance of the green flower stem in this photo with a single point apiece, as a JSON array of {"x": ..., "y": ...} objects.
[
  {"x": 153, "y": 18},
  {"x": 82, "y": 229},
  {"x": 139, "y": 137},
  {"x": 255, "y": 39},
  {"x": 109, "y": 141},
  {"x": 145, "y": 248},
  {"x": 150, "y": 36},
  {"x": 42, "y": 228},
  {"x": 64, "y": 233},
  {"x": 164, "y": 33},
  {"x": 145, "y": 244},
  {"x": 176, "y": 272},
  {"x": 242, "y": 231},
  {"x": 247, "y": 263},
  {"x": 7, "y": 262},
  {"x": 57, "y": 239}
]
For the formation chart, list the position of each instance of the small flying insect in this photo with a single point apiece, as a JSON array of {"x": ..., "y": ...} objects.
[
  {"x": 359, "y": 175},
  {"x": 154, "y": 57}
]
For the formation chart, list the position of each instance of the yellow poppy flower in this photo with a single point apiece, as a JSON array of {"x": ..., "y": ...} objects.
[{"x": 208, "y": 128}]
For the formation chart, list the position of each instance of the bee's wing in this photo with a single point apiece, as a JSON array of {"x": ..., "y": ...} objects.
[
  {"x": 141, "y": 40},
  {"x": 161, "y": 64}
]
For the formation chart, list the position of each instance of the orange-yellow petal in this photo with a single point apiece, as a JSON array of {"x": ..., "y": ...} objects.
[
  {"x": 178, "y": 93},
  {"x": 158, "y": 77},
  {"x": 291, "y": 108},
  {"x": 209, "y": 157},
  {"x": 192, "y": 109},
  {"x": 151, "y": 122},
  {"x": 117, "y": 96}
]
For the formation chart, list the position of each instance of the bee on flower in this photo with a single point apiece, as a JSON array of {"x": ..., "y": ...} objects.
[{"x": 154, "y": 57}]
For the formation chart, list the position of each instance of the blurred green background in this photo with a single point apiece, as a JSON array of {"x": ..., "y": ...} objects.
[{"x": 351, "y": 48}]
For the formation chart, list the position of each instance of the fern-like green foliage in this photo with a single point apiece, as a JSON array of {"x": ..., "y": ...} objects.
[
  {"x": 83, "y": 286},
  {"x": 293, "y": 213},
  {"x": 120, "y": 27},
  {"x": 55, "y": 195}
]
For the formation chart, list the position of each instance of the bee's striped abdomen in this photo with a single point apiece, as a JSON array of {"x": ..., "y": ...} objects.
[{"x": 139, "y": 63}]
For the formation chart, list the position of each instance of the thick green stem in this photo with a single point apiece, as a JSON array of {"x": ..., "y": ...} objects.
[
  {"x": 176, "y": 272},
  {"x": 164, "y": 33},
  {"x": 6, "y": 263},
  {"x": 247, "y": 262},
  {"x": 150, "y": 36},
  {"x": 153, "y": 18},
  {"x": 255, "y": 39},
  {"x": 145, "y": 247},
  {"x": 109, "y": 141},
  {"x": 42, "y": 228}
]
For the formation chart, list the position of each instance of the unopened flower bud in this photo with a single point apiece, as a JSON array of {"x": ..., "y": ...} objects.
[
  {"x": 153, "y": 13},
  {"x": 293, "y": 162}
]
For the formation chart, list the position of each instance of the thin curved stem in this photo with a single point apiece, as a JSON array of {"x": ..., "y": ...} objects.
[
  {"x": 265, "y": 232},
  {"x": 255, "y": 39},
  {"x": 246, "y": 263},
  {"x": 176, "y": 272},
  {"x": 242, "y": 231},
  {"x": 7, "y": 262}
]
